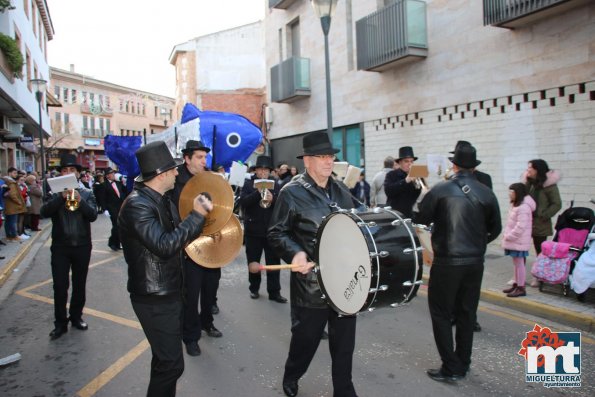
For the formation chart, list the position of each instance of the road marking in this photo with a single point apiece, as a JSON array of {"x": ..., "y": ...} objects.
[
  {"x": 517, "y": 319},
  {"x": 113, "y": 370}
]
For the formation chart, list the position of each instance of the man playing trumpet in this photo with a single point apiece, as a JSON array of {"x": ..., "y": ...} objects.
[
  {"x": 402, "y": 190},
  {"x": 258, "y": 203},
  {"x": 72, "y": 212}
]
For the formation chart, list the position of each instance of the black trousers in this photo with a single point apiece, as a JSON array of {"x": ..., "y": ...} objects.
[
  {"x": 254, "y": 248},
  {"x": 198, "y": 282},
  {"x": 306, "y": 330},
  {"x": 65, "y": 259},
  {"x": 453, "y": 291},
  {"x": 162, "y": 326},
  {"x": 114, "y": 238}
]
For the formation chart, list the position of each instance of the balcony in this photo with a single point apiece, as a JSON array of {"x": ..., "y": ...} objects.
[
  {"x": 290, "y": 80},
  {"x": 391, "y": 36},
  {"x": 282, "y": 4},
  {"x": 92, "y": 133},
  {"x": 518, "y": 13},
  {"x": 96, "y": 109}
]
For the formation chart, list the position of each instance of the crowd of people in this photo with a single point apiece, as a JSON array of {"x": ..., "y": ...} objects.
[{"x": 175, "y": 298}]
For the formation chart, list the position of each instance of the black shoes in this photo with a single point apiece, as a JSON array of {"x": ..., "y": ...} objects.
[
  {"x": 476, "y": 327},
  {"x": 212, "y": 331},
  {"x": 277, "y": 298},
  {"x": 439, "y": 376},
  {"x": 290, "y": 388},
  {"x": 254, "y": 295},
  {"x": 114, "y": 247},
  {"x": 215, "y": 309},
  {"x": 79, "y": 324},
  {"x": 193, "y": 349},
  {"x": 58, "y": 332}
]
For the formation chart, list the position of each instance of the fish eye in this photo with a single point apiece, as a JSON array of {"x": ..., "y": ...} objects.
[{"x": 234, "y": 139}]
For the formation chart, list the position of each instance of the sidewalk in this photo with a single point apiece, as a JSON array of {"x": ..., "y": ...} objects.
[{"x": 550, "y": 303}]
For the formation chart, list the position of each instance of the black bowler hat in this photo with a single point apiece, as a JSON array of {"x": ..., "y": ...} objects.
[
  {"x": 317, "y": 143},
  {"x": 264, "y": 162},
  {"x": 193, "y": 145},
  {"x": 459, "y": 144},
  {"x": 465, "y": 157},
  {"x": 69, "y": 160},
  {"x": 154, "y": 159},
  {"x": 404, "y": 152}
]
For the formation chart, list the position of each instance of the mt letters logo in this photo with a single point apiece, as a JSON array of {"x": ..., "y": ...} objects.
[{"x": 552, "y": 358}]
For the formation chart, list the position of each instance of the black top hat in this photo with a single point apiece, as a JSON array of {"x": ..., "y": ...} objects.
[
  {"x": 465, "y": 157},
  {"x": 264, "y": 162},
  {"x": 69, "y": 160},
  {"x": 316, "y": 143},
  {"x": 193, "y": 145},
  {"x": 404, "y": 152},
  {"x": 459, "y": 144},
  {"x": 154, "y": 159}
]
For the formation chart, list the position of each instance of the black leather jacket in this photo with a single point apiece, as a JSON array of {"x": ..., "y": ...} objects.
[
  {"x": 71, "y": 228},
  {"x": 298, "y": 214},
  {"x": 461, "y": 229},
  {"x": 400, "y": 195},
  {"x": 153, "y": 239}
]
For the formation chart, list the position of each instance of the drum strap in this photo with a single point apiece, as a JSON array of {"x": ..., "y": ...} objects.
[
  {"x": 468, "y": 193},
  {"x": 315, "y": 191}
]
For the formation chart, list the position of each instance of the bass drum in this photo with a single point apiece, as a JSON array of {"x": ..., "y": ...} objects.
[{"x": 367, "y": 260}]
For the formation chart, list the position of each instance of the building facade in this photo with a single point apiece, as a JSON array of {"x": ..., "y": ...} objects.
[
  {"x": 516, "y": 78},
  {"x": 92, "y": 109},
  {"x": 26, "y": 28},
  {"x": 223, "y": 71}
]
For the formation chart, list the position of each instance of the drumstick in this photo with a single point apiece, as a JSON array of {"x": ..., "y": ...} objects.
[{"x": 255, "y": 267}]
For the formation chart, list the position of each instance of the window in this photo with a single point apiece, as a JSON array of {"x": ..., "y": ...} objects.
[
  {"x": 144, "y": 109},
  {"x": 34, "y": 17},
  {"x": 293, "y": 38},
  {"x": 348, "y": 141},
  {"x": 126, "y": 106},
  {"x": 26, "y": 7},
  {"x": 91, "y": 98},
  {"x": 132, "y": 106},
  {"x": 101, "y": 124},
  {"x": 28, "y": 63},
  {"x": 72, "y": 96},
  {"x": 65, "y": 97},
  {"x": 58, "y": 116},
  {"x": 84, "y": 98},
  {"x": 156, "y": 114},
  {"x": 85, "y": 124},
  {"x": 107, "y": 102},
  {"x": 57, "y": 91},
  {"x": 107, "y": 126},
  {"x": 66, "y": 123}
]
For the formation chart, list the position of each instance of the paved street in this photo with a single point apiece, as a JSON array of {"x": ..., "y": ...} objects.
[{"x": 394, "y": 347}]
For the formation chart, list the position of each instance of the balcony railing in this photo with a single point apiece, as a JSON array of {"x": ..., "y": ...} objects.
[
  {"x": 96, "y": 109},
  {"x": 392, "y": 35},
  {"x": 290, "y": 80},
  {"x": 93, "y": 133},
  {"x": 283, "y": 4},
  {"x": 517, "y": 13}
]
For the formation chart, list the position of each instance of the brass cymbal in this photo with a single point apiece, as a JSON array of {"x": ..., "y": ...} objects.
[
  {"x": 221, "y": 195},
  {"x": 218, "y": 249}
]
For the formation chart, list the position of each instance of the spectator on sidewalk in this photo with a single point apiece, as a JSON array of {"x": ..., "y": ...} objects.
[
  {"x": 35, "y": 196},
  {"x": 14, "y": 205},
  {"x": 516, "y": 239},
  {"x": 377, "y": 194},
  {"x": 71, "y": 248},
  {"x": 541, "y": 183},
  {"x": 361, "y": 190}
]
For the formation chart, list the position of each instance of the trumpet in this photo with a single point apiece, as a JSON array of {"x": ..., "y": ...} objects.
[
  {"x": 263, "y": 185},
  {"x": 72, "y": 203}
]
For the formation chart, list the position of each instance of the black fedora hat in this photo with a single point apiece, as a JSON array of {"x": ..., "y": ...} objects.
[
  {"x": 459, "y": 144},
  {"x": 465, "y": 157},
  {"x": 264, "y": 162},
  {"x": 154, "y": 159},
  {"x": 69, "y": 160},
  {"x": 193, "y": 145},
  {"x": 404, "y": 152},
  {"x": 317, "y": 143}
]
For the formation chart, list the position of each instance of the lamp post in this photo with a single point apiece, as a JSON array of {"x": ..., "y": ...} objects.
[
  {"x": 80, "y": 150},
  {"x": 165, "y": 115},
  {"x": 324, "y": 10},
  {"x": 39, "y": 86}
]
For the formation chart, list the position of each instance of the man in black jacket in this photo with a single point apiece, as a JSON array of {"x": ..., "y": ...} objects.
[
  {"x": 256, "y": 223},
  {"x": 466, "y": 218},
  {"x": 71, "y": 248},
  {"x": 401, "y": 189},
  {"x": 153, "y": 240},
  {"x": 300, "y": 208},
  {"x": 114, "y": 195},
  {"x": 199, "y": 281}
]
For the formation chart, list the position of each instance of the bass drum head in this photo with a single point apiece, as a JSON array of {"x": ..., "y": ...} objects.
[{"x": 343, "y": 263}]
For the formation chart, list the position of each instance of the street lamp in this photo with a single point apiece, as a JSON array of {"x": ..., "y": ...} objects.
[
  {"x": 39, "y": 86},
  {"x": 165, "y": 115},
  {"x": 324, "y": 10}
]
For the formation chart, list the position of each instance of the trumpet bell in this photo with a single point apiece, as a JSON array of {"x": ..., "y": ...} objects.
[
  {"x": 218, "y": 249},
  {"x": 221, "y": 196}
]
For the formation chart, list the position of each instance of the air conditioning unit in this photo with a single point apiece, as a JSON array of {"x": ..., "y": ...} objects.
[{"x": 10, "y": 130}]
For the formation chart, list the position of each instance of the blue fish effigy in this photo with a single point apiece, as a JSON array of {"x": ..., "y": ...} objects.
[
  {"x": 120, "y": 150},
  {"x": 236, "y": 137}
]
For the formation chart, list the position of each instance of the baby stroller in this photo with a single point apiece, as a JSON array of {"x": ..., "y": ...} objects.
[{"x": 572, "y": 229}]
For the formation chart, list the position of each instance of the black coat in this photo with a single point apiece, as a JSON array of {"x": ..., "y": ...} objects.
[
  {"x": 400, "y": 195},
  {"x": 298, "y": 214},
  {"x": 111, "y": 201},
  {"x": 461, "y": 229},
  {"x": 153, "y": 240},
  {"x": 71, "y": 228},
  {"x": 256, "y": 218}
]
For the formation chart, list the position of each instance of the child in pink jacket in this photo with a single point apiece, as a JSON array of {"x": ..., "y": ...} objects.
[{"x": 516, "y": 239}]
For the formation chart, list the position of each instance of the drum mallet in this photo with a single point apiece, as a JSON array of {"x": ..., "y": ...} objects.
[{"x": 255, "y": 267}]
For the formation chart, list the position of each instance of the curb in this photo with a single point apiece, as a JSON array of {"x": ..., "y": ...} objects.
[
  {"x": 8, "y": 268},
  {"x": 564, "y": 316}
]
